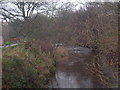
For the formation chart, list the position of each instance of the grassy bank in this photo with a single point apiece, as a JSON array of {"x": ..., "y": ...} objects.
[
  {"x": 27, "y": 68},
  {"x": 9, "y": 42}
]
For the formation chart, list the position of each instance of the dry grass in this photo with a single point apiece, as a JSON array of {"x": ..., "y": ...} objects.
[
  {"x": 27, "y": 68},
  {"x": 62, "y": 51},
  {"x": 61, "y": 55}
]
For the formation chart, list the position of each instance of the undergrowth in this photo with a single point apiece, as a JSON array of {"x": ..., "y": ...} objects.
[
  {"x": 106, "y": 72},
  {"x": 26, "y": 68}
]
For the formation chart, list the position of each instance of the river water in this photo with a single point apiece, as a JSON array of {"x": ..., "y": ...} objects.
[{"x": 71, "y": 73}]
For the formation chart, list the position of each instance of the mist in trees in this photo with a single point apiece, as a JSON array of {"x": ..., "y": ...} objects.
[
  {"x": 89, "y": 25},
  {"x": 86, "y": 24}
]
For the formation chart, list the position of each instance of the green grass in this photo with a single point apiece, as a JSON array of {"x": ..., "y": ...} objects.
[
  {"x": 26, "y": 68},
  {"x": 9, "y": 42}
]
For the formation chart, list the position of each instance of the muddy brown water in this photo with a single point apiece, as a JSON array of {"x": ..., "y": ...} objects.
[{"x": 71, "y": 73}]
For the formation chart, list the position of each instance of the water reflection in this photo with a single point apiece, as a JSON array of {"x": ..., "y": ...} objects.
[
  {"x": 72, "y": 74},
  {"x": 68, "y": 80}
]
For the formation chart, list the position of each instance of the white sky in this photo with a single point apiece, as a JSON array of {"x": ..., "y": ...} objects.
[
  {"x": 91, "y": 0},
  {"x": 72, "y": 1}
]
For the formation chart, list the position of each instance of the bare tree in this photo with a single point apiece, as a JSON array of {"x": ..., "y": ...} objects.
[{"x": 21, "y": 10}]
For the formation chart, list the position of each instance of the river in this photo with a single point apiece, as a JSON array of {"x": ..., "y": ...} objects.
[{"x": 71, "y": 73}]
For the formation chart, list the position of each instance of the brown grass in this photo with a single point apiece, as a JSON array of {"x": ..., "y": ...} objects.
[
  {"x": 61, "y": 51},
  {"x": 61, "y": 55}
]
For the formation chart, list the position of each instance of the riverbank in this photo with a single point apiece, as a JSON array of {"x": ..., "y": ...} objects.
[
  {"x": 71, "y": 68},
  {"x": 26, "y": 68},
  {"x": 104, "y": 66},
  {"x": 80, "y": 67},
  {"x": 105, "y": 71}
]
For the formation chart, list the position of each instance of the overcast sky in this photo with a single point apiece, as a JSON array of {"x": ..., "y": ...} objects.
[
  {"x": 72, "y": 1},
  {"x": 91, "y": 0}
]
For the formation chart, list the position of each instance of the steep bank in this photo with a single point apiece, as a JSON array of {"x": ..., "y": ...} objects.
[{"x": 26, "y": 68}]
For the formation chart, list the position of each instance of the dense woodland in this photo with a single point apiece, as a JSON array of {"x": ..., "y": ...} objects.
[{"x": 93, "y": 25}]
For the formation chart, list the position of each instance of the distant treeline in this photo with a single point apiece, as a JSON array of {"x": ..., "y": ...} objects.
[{"x": 94, "y": 26}]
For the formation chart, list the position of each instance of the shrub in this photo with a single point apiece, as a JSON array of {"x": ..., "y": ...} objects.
[{"x": 26, "y": 68}]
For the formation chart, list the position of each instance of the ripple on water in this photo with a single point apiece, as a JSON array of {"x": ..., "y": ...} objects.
[
  {"x": 68, "y": 80},
  {"x": 70, "y": 75}
]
